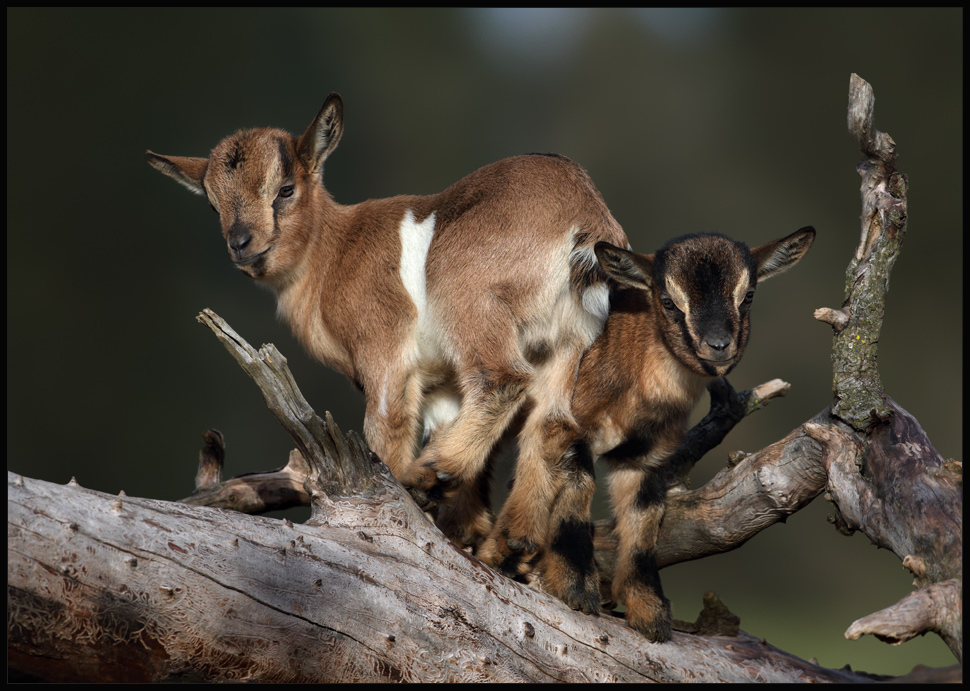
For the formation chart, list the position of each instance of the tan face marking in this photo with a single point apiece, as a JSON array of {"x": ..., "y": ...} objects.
[
  {"x": 211, "y": 195},
  {"x": 741, "y": 289},
  {"x": 273, "y": 179},
  {"x": 677, "y": 294}
]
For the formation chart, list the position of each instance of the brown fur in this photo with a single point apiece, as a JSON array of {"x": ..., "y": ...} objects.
[
  {"x": 678, "y": 318},
  {"x": 507, "y": 271}
]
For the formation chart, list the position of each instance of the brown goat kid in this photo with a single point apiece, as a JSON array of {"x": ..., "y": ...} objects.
[
  {"x": 458, "y": 308},
  {"x": 678, "y": 318}
]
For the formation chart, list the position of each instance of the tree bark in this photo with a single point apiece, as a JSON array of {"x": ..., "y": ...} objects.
[
  {"x": 884, "y": 475},
  {"x": 368, "y": 589},
  {"x": 138, "y": 590}
]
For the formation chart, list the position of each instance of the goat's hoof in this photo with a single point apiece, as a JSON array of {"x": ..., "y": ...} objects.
[
  {"x": 588, "y": 603},
  {"x": 655, "y": 628},
  {"x": 655, "y": 634},
  {"x": 424, "y": 502},
  {"x": 523, "y": 545}
]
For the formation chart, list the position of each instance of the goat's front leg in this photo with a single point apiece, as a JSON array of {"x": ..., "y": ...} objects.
[
  {"x": 458, "y": 453},
  {"x": 639, "y": 498},
  {"x": 467, "y": 518},
  {"x": 392, "y": 420},
  {"x": 568, "y": 566}
]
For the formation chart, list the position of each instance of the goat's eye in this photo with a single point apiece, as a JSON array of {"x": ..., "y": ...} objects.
[
  {"x": 286, "y": 191},
  {"x": 668, "y": 303},
  {"x": 749, "y": 296}
]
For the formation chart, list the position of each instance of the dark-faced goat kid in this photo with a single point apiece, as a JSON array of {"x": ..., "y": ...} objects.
[{"x": 678, "y": 318}]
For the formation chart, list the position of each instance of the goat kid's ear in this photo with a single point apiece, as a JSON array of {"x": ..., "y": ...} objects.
[
  {"x": 778, "y": 256},
  {"x": 183, "y": 169},
  {"x": 629, "y": 268},
  {"x": 323, "y": 134}
]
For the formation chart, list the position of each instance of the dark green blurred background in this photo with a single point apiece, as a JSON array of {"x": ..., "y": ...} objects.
[{"x": 687, "y": 120}]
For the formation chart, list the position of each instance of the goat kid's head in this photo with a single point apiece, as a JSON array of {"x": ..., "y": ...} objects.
[
  {"x": 699, "y": 289},
  {"x": 263, "y": 183}
]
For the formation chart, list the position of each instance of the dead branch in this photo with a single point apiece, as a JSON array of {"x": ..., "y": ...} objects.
[
  {"x": 921, "y": 610},
  {"x": 884, "y": 475},
  {"x": 859, "y": 396},
  {"x": 254, "y": 493}
]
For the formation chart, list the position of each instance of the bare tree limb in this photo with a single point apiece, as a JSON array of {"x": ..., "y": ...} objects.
[
  {"x": 859, "y": 397},
  {"x": 927, "y": 609},
  {"x": 368, "y": 590},
  {"x": 904, "y": 497},
  {"x": 254, "y": 493},
  {"x": 884, "y": 475}
]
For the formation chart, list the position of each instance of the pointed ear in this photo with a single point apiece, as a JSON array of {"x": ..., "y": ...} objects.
[
  {"x": 774, "y": 257},
  {"x": 323, "y": 134},
  {"x": 629, "y": 268},
  {"x": 185, "y": 170}
]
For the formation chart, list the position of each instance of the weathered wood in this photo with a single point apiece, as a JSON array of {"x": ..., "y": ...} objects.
[
  {"x": 139, "y": 590},
  {"x": 884, "y": 475},
  {"x": 273, "y": 490},
  {"x": 319, "y": 442},
  {"x": 927, "y": 609},
  {"x": 858, "y": 391},
  {"x": 895, "y": 488}
]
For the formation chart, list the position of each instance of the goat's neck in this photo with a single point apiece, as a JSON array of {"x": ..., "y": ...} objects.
[
  {"x": 306, "y": 298},
  {"x": 629, "y": 378}
]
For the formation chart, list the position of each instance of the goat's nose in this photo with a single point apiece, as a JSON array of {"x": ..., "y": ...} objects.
[
  {"x": 718, "y": 342},
  {"x": 239, "y": 241}
]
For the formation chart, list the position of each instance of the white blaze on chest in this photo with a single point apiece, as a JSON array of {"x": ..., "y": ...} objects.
[{"x": 441, "y": 407}]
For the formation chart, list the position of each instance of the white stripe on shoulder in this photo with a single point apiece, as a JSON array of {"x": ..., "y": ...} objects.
[{"x": 415, "y": 242}]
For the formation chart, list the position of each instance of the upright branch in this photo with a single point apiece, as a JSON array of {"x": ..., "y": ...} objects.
[
  {"x": 859, "y": 397},
  {"x": 884, "y": 475}
]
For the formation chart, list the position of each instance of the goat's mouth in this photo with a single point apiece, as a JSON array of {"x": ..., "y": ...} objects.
[
  {"x": 718, "y": 367},
  {"x": 718, "y": 361},
  {"x": 249, "y": 260}
]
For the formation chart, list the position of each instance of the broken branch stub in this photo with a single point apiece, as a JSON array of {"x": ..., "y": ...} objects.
[{"x": 339, "y": 466}]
